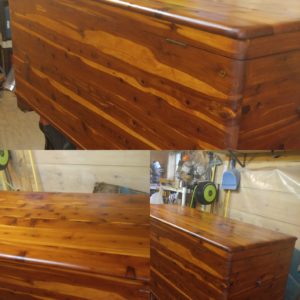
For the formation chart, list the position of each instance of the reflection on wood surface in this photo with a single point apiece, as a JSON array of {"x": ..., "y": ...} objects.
[{"x": 74, "y": 246}]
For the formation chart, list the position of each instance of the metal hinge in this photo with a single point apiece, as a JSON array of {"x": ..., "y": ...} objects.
[{"x": 174, "y": 42}]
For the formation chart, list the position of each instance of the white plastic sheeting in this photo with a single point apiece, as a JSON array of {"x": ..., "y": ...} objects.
[
  {"x": 269, "y": 197},
  {"x": 282, "y": 179}
]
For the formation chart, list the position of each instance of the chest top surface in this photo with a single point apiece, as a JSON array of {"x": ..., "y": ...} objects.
[
  {"x": 241, "y": 19},
  {"x": 98, "y": 232},
  {"x": 227, "y": 234}
]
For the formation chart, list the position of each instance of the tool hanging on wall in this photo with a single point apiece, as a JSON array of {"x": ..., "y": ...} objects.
[
  {"x": 231, "y": 179},
  {"x": 204, "y": 193}
]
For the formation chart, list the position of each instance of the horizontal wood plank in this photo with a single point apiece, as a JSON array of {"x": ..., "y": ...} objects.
[
  {"x": 139, "y": 159},
  {"x": 68, "y": 178}
]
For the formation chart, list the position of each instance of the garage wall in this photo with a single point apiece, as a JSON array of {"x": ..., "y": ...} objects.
[
  {"x": 72, "y": 171},
  {"x": 269, "y": 195}
]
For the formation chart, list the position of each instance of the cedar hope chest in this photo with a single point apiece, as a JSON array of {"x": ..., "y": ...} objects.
[
  {"x": 196, "y": 255},
  {"x": 168, "y": 74}
]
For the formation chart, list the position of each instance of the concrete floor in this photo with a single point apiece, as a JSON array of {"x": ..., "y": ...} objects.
[{"x": 18, "y": 130}]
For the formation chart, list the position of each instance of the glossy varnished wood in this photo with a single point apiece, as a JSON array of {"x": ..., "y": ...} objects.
[
  {"x": 74, "y": 246},
  {"x": 238, "y": 19},
  {"x": 162, "y": 74},
  {"x": 196, "y": 255},
  {"x": 271, "y": 102}
]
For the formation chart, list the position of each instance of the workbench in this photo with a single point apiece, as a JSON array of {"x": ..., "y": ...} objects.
[
  {"x": 197, "y": 255},
  {"x": 147, "y": 74},
  {"x": 74, "y": 246}
]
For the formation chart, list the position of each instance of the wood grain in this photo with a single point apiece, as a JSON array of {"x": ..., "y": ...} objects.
[
  {"x": 74, "y": 246},
  {"x": 160, "y": 74},
  {"x": 271, "y": 104},
  {"x": 195, "y": 255},
  {"x": 238, "y": 19}
]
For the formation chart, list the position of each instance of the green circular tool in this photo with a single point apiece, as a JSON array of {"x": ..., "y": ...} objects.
[
  {"x": 4, "y": 158},
  {"x": 206, "y": 192},
  {"x": 210, "y": 192}
]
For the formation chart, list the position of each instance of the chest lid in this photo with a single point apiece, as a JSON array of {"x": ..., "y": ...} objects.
[
  {"x": 227, "y": 234},
  {"x": 99, "y": 233},
  {"x": 241, "y": 19}
]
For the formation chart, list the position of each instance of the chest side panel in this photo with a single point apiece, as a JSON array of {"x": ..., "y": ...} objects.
[
  {"x": 271, "y": 105},
  {"x": 261, "y": 272},
  {"x": 117, "y": 79},
  {"x": 184, "y": 267}
]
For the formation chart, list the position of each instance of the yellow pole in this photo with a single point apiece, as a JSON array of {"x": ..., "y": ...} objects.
[
  {"x": 3, "y": 180},
  {"x": 33, "y": 170},
  {"x": 213, "y": 173},
  {"x": 227, "y": 196}
]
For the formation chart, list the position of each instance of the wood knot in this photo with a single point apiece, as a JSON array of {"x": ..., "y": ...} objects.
[
  {"x": 32, "y": 222},
  {"x": 130, "y": 272},
  {"x": 246, "y": 109},
  {"x": 258, "y": 283},
  {"x": 222, "y": 73}
]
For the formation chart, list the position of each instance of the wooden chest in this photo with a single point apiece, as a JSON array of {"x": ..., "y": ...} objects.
[
  {"x": 167, "y": 74},
  {"x": 74, "y": 246},
  {"x": 196, "y": 255}
]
